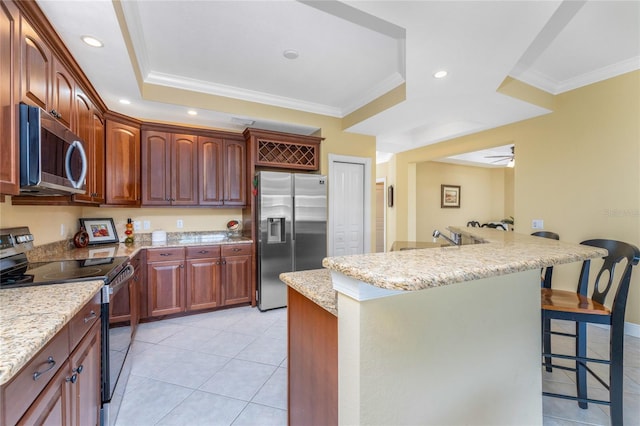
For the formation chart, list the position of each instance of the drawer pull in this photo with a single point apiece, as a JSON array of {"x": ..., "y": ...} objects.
[
  {"x": 203, "y": 251},
  {"x": 51, "y": 362},
  {"x": 91, "y": 316},
  {"x": 165, "y": 254},
  {"x": 79, "y": 369},
  {"x": 236, "y": 249},
  {"x": 72, "y": 379}
]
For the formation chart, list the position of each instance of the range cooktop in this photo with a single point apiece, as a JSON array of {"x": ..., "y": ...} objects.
[{"x": 63, "y": 271}]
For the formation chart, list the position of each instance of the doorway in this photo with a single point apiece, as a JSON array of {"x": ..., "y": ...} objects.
[
  {"x": 349, "y": 205},
  {"x": 381, "y": 216}
]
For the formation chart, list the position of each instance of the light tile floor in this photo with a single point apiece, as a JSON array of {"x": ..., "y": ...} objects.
[{"x": 229, "y": 368}]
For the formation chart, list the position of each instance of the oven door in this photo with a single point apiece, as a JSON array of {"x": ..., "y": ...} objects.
[{"x": 117, "y": 334}]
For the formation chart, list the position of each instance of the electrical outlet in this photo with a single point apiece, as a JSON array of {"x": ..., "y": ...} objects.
[
  {"x": 137, "y": 225},
  {"x": 537, "y": 224},
  {"x": 146, "y": 224},
  {"x": 179, "y": 223}
]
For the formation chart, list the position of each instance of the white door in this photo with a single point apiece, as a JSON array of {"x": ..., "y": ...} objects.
[{"x": 349, "y": 220}]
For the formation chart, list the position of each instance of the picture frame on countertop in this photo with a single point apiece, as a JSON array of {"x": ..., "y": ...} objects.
[
  {"x": 100, "y": 230},
  {"x": 450, "y": 196}
]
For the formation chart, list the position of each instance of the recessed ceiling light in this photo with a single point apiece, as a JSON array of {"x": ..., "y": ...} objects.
[
  {"x": 92, "y": 41},
  {"x": 290, "y": 54},
  {"x": 192, "y": 112},
  {"x": 440, "y": 74},
  {"x": 125, "y": 101}
]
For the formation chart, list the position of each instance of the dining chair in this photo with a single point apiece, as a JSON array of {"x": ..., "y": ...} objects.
[
  {"x": 582, "y": 310},
  {"x": 473, "y": 224}
]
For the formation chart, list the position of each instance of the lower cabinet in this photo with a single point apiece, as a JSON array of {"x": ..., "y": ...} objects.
[
  {"x": 196, "y": 278},
  {"x": 61, "y": 385}
]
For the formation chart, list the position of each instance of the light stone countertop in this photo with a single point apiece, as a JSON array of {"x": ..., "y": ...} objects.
[
  {"x": 40, "y": 254},
  {"x": 31, "y": 316},
  {"x": 504, "y": 253},
  {"x": 315, "y": 285}
]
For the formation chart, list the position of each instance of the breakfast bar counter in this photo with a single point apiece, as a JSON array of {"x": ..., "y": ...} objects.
[{"x": 444, "y": 335}]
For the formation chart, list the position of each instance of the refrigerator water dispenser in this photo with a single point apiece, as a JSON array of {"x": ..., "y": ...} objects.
[{"x": 276, "y": 230}]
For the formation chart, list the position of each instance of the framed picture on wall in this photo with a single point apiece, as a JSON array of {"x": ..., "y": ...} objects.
[{"x": 450, "y": 196}]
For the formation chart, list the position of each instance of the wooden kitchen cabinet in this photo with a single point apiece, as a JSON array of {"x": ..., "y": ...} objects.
[
  {"x": 122, "y": 162},
  {"x": 169, "y": 169},
  {"x": 236, "y": 278},
  {"x": 61, "y": 384},
  {"x": 165, "y": 281},
  {"x": 196, "y": 278},
  {"x": 222, "y": 170},
  {"x": 89, "y": 125},
  {"x": 62, "y": 94},
  {"x": 35, "y": 67},
  {"x": 9, "y": 95},
  {"x": 85, "y": 397},
  {"x": 203, "y": 277}
]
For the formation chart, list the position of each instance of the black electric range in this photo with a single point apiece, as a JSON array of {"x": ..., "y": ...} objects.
[{"x": 17, "y": 271}]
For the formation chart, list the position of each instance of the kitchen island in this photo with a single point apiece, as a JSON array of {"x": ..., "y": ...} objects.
[{"x": 446, "y": 335}]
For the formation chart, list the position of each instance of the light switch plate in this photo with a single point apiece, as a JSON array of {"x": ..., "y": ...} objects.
[
  {"x": 537, "y": 224},
  {"x": 146, "y": 224}
]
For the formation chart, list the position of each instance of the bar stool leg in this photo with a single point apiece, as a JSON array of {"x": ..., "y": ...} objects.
[
  {"x": 616, "y": 396},
  {"x": 581, "y": 371},
  {"x": 546, "y": 343}
]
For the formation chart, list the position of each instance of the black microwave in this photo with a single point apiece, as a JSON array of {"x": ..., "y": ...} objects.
[{"x": 52, "y": 158}]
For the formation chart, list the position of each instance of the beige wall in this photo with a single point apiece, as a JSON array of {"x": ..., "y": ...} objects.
[
  {"x": 45, "y": 222},
  {"x": 577, "y": 168},
  {"x": 482, "y": 194}
]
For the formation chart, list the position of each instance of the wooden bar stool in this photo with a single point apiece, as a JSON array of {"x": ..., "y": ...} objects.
[
  {"x": 545, "y": 282},
  {"x": 577, "y": 307}
]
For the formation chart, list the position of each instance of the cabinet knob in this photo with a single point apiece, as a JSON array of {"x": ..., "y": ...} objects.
[
  {"x": 91, "y": 316},
  {"x": 79, "y": 369},
  {"x": 72, "y": 379}
]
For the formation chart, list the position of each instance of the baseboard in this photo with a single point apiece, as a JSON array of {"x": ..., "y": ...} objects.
[{"x": 630, "y": 329}]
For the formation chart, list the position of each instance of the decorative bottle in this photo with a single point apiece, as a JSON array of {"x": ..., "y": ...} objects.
[{"x": 129, "y": 232}]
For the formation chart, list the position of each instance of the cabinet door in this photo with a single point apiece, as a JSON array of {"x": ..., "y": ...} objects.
[
  {"x": 236, "y": 279},
  {"x": 9, "y": 61},
  {"x": 235, "y": 184},
  {"x": 85, "y": 392},
  {"x": 211, "y": 171},
  {"x": 62, "y": 94},
  {"x": 53, "y": 405},
  {"x": 203, "y": 283},
  {"x": 82, "y": 126},
  {"x": 35, "y": 68},
  {"x": 184, "y": 159},
  {"x": 156, "y": 168},
  {"x": 122, "y": 164},
  {"x": 97, "y": 127},
  {"x": 164, "y": 280}
]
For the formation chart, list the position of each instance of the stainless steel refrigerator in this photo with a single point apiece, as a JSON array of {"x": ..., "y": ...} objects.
[{"x": 292, "y": 230}]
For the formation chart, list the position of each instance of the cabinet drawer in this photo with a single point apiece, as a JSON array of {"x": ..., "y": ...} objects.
[
  {"x": 203, "y": 252},
  {"x": 83, "y": 320},
  {"x": 29, "y": 382},
  {"x": 237, "y": 250},
  {"x": 165, "y": 254}
]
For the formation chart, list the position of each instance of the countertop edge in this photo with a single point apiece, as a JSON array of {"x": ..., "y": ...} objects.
[{"x": 316, "y": 285}]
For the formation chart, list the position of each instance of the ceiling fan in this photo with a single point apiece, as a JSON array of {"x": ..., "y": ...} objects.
[{"x": 510, "y": 158}]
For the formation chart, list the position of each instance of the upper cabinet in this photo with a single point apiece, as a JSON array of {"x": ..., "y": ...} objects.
[
  {"x": 283, "y": 150},
  {"x": 122, "y": 161},
  {"x": 222, "y": 170},
  {"x": 192, "y": 167},
  {"x": 9, "y": 84},
  {"x": 89, "y": 125},
  {"x": 62, "y": 94},
  {"x": 35, "y": 67},
  {"x": 169, "y": 169}
]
